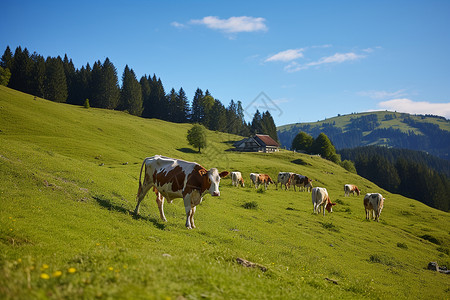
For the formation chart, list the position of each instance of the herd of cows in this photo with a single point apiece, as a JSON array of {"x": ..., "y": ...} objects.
[{"x": 174, "y": 178}]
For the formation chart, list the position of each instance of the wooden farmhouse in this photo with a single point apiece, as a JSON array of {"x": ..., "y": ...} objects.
[{"x": 257, "y": 143}]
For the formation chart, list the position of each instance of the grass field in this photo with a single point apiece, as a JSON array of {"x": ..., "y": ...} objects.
[{"x": 68, "y": 181}]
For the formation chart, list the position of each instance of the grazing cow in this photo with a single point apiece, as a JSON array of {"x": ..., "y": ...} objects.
[
  {"x": 254, "y": 178},
  {"x": 284, "y": 178},
  {"x": 265, "y": 179},
  {"x": 174, "y": 178},
  {"x": 236, "y": 179},
  {"x": 351, "y": 188},
  {"x": 320, "y": 198},
  {"x": 373, "y": 202},
  {"x": 301, "y": 181}
]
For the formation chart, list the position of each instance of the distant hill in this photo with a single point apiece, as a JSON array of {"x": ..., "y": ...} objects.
[{"x": 398, "y": 130}]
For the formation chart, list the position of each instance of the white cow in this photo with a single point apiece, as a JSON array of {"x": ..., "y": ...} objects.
[
  {"x": 373, "y": 202},
  {"x": 320, "y": 198},
  {"x": 254, "y": 179},
  {"x": 236, "y": 179},
  {"x": 284, "y": 178}
]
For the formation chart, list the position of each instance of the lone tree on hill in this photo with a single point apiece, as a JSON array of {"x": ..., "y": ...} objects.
[{"x": 196, "y": 136}]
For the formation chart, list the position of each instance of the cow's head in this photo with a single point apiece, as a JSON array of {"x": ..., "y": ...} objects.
[
  {"x": 329, "y": 205},
  {"x": 211, "y": 180},
  {"x": 357, "y": 191},
  {"x": 242, "y": 182}
]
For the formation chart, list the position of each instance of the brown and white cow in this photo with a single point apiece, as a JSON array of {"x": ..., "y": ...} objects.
[
  {"x": 351, "y": 188},
  {"x": 236, "y": 179},
  {"x": 373, "y": 202},
  {"x": 320, "y": 199},
  {"x": 301, "y": 181},
  {"x": 284, "y": 179},
  {"x": 174, "y": 178},
  {"x": 264, "y": 179}
]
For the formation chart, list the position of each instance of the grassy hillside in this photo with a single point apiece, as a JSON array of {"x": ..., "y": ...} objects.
[
  {"x": 384, "y": 128},
  {"x": 69, "y": 177}
]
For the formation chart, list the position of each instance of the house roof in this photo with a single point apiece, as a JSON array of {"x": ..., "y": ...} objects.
[{"x": 267, "y": 140}]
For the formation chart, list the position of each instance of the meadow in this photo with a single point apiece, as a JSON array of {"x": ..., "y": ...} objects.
[{"x": 68, "y": 182}]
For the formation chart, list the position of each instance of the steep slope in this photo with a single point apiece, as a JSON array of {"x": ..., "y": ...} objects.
[
  {"x": 392, "y": 129},
  {"x": 68, "y": 184}
]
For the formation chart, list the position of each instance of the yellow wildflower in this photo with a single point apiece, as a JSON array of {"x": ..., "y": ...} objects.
[
  {"x": 45, "y": 276},
  {"x": 111, "y": 268},
  {"x": 57, "y": 273},
  {"x": 71, "y": 270},
  {"x": 44, "y": 267}
]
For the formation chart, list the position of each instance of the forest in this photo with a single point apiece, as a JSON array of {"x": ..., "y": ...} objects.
[
  {"x": 57, "y": 79},
  {"x": 413, "y": 174},
  {"x": 366, "y": 130}
]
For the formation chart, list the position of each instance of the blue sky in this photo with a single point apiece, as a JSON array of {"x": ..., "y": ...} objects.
[{"x": 301, "y": 60}]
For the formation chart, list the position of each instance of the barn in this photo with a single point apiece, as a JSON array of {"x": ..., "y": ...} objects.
[{"x": 257, "y": 143}]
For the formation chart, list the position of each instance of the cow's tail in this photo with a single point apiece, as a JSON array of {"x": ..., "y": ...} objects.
[{"x": 140, "y": 176}]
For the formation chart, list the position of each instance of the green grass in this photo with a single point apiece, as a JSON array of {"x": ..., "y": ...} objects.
[{"x": 68, "y": 181}]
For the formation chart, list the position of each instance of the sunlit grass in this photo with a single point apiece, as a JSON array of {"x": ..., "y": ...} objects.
[{"x": 69, "y": 178}]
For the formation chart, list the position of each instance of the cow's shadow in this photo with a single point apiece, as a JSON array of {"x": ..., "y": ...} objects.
[{"x": 105, "y": 203}]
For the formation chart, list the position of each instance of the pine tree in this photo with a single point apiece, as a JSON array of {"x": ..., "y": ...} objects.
[
  {"x": 21, "y": 71},
  {"x": 183, "y": 109},
  {"x": 5, "y": 75},
  {"x": 172, "y": 100},
  {"x": 38, "y": 75},
  {"x": 256, "y": 125},
  {"x": 7, "y": 59},
  {"x": 145, "y": 89},
  {"x": 323, "y": 146},
  {"x": 130, "y": 94},
  {"x": 96, "y": 78},
  {"x": 69, "y": 71},
  {"x": 268, "y": 126},
  {"x": 218, "y": 119},
  {"x": 55, "y": 80},
  {"x": 196, "y": 112}
]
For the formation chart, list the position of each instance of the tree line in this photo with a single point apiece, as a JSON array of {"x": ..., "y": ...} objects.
[
  {"x": 57, "y": 79},
  {"x": 413, "y": 174},
  {"x": 321, "y": 145}
]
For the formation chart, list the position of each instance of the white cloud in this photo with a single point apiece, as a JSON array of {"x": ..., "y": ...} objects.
[
  {"x": 413, "y": 107},
  {"x": 233, "y": 24},
  {"x": 287, "y": 55},
  {"x": 178, "y": 25},
  {"x": 336, "y": 58},
  {"x": 382, "y": 94}
]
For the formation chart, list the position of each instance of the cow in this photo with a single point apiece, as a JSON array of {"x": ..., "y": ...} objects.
[
  {"x": 236, "y": 179},
  {"x": 320, "y": 198},
  {"x": 254, "y": 179},
  {"x": 301, "y": 181},
  {"x": 284, "y": 178},
  {"x": 351, "y": 188},
  {"x": 373, "y": 202},
  {"x": 265, "y": 179},
  {"x": 175, "y": 178}
]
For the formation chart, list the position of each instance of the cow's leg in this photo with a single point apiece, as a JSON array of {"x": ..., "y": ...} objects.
[
  {"x": 142, "y": 191},
  {"x": 192, "y": 216},
  {"x": 160, "y": 202},
  {"x": 323, "y": 207},
  {"x": 188, "y": 208}
]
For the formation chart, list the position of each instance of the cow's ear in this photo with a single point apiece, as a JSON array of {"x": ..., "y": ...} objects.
[
  {"x": 202, "y": 172},
  {"x": 223, "y": 174}
]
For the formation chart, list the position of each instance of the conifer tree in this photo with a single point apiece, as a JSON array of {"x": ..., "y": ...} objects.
[
  {"x": 183, "y": 109},
  {"x": 7, "y": 59},
  {"x": 256, "y": 125},
  {"x": 38, "y": 75},
  {"x": 69, "y": 71},
  {"x": 21, "y": 71},
  {"x": 196, "y": 112},
  {"x": 130, "y": 94},
  {"x": 55, "y": 80},
  {"x": 268, "y": 125}
]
